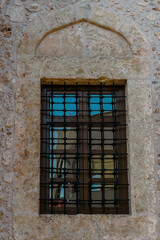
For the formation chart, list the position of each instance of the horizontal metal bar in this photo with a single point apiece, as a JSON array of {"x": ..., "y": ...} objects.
[
  {"x": 74, "y": 180},
  {"x": 87, "y": 184},
  {"x": 78, "y": 95},
  {"x": 91, "y": 139},
  {"x": 107, "y": 152}
]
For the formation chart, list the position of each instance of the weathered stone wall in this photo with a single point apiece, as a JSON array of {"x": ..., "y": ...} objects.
[{"x": 19, "y": 108}]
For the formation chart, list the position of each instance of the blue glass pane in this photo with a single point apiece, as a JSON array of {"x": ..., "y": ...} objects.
[
  {"x": 70, "y": 99},
  {"x": 59, "y": 103},
  {"x": 58, "y": 99},
  {"x": 71, "y": 107},
  {"x": 96, "y": 187},
  {"x": 95, "y": 104},
  {"x": 107, "y": 103},
  {"x": 95, "y": 101},
  {"x": 58, "y": 106}
]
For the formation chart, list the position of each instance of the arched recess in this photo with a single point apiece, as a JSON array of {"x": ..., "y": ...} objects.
[
  {"x": 42, "y": 26},
  {"x": 136, "y": 65},
  {"x": 134, "y": 70},
  {"x": 83, "y": 38}
]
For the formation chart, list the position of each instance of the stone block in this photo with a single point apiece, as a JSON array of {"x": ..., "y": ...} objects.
[
  {"x": 33, "y": 7},
  {"x": 1, "y": 4},
  {"x": 10, "y": 120},
  {"x": 110, "y": 20},
  {"x": 7, "y": 158},
  {"x": 9, "y": 142},
  {"x": 16, "y": 13},
  {"x": 8, "y": 177},
  {"x": 157, "y": 34},
  {"x": 82, "y": 11}
]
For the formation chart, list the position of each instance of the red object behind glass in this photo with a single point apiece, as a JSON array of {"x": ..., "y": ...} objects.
[{"x": 58, "y": 204}]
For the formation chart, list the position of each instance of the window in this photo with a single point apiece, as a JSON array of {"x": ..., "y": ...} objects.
[{"x": 83, "y": 150}]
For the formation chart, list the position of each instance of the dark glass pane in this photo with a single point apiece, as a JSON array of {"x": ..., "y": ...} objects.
[
  {"x": 62, "y": 165},
  {"x": 97, "y": 143}
]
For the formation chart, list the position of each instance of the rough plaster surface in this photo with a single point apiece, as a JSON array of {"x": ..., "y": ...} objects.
[
  {"x": 84, "y": 39},
  {"x": 25, "y": 30}
]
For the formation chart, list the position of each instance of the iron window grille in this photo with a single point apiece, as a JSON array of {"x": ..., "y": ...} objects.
[{"x": 83, "y": 165}]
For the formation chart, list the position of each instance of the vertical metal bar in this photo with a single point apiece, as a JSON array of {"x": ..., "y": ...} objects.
[
  {"x": 80, "y": 147},
  {"x": 102, "y": 147},
  {"x": 90, "y": 151},
  {"x": 114, "y": 110},
  {"x": 43, "y": 189},
  {"x": 52, "y": 153},
  {"x": 85, "y": 152},
  {"x": 47, "y": 179},
  {"x": 64, "y": 101},
  {"x": 122, "y": 160},
  {"x": 77, "y": 146}
]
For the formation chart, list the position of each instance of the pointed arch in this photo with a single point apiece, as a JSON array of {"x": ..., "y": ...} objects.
[{"x": 62, "y": 18}]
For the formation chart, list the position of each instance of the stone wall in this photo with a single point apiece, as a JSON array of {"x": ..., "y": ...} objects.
[{"x": 19, "y": 105}]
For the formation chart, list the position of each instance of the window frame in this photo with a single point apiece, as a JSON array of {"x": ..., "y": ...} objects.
[{"x": 123, "y": 208}]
